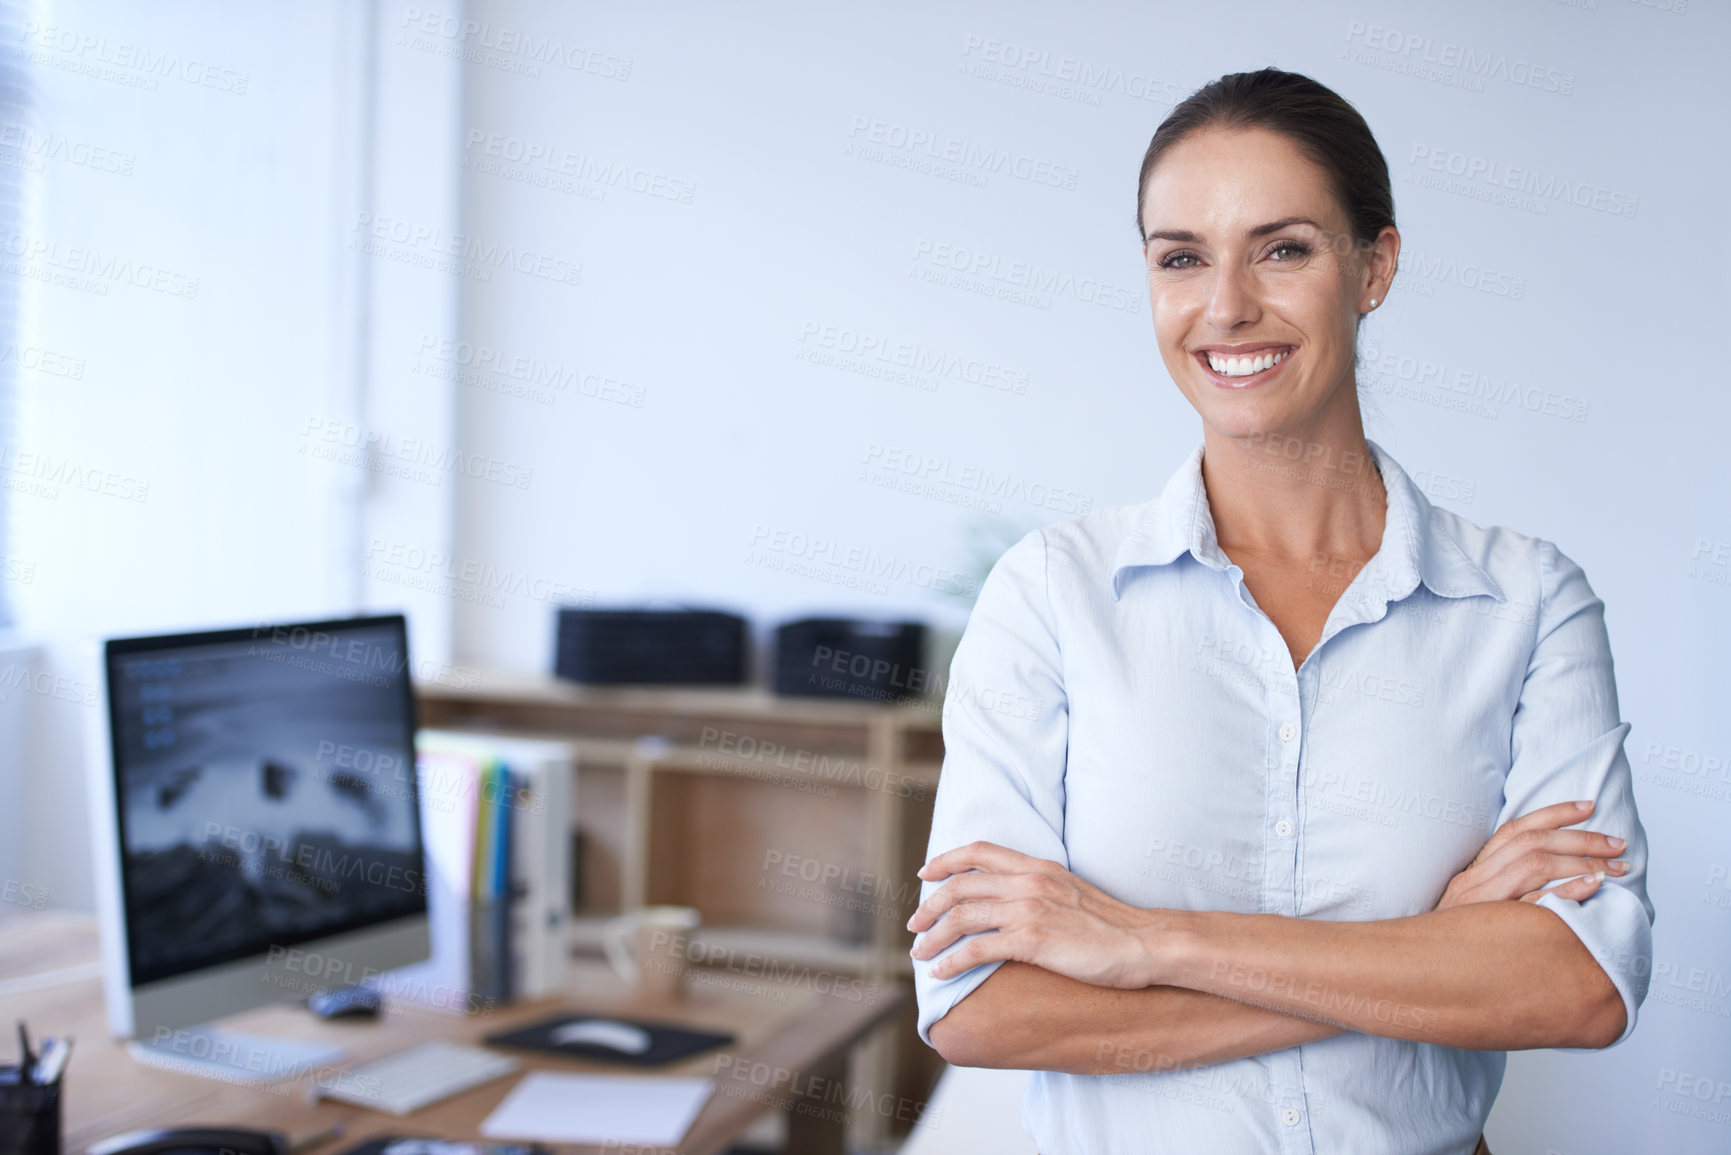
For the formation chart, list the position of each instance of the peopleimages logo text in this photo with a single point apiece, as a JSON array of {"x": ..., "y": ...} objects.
[
  {"x": 1542, "y": 185},
  {"x": 1488, "y": 65}
]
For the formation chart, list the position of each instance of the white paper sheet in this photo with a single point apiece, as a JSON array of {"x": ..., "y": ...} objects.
[{"x": 557, "y": 1108}]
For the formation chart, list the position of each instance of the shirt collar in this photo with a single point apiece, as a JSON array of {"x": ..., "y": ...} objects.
[{"x": 1415, "y": 548}]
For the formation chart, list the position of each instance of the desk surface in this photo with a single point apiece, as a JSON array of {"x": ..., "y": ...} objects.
[{"x": 801, "y": 1043}]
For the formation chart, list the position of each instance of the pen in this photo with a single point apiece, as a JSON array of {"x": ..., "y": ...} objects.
[
  {"x": 26, "y": 1061},
  {"x": 52, "y": 1061}
]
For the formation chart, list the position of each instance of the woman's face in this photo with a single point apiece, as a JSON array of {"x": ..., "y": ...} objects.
[{"x": 1251, "y": 263}]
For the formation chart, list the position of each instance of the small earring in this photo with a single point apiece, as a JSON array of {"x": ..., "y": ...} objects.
[{"x": 1373, "y": 302}]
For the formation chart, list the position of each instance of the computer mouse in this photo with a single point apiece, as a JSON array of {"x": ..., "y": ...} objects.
[
  {"x": 621, "y": 1037},
  {"x": 355, "y": 1002}
]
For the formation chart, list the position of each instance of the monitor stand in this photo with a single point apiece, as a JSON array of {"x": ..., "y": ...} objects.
[{"x": 232, "y": 1056}]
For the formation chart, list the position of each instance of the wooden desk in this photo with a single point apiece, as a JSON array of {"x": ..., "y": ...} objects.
[
  {"x": 797, "y": 1046},
  {"x": 734, "y": 780}
]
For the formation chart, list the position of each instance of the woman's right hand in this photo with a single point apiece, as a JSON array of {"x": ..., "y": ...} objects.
[{"x": 1529, "y": 851}]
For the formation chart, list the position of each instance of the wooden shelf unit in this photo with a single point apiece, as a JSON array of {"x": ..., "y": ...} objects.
[{"x": 795, "y": 825}]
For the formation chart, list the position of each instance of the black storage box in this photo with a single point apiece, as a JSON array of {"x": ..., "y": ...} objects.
[
  {"x": 650, "y": 647},
  {"x": 841, "y": 658}
]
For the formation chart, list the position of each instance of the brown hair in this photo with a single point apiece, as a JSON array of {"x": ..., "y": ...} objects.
[{"x": 1323, "y": 126}]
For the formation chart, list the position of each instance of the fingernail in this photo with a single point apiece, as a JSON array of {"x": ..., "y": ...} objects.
[
  {"x": 1598, "y": 877},
  {"x": 1620, "y": 866},
  {"x": 1617, "y": 843},
  {"x": 1583, "y": 807}
]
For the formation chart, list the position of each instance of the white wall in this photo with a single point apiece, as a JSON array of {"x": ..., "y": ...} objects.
[
  {"x": 638, "y": 376},
  {"x": 705, "y": 307}
]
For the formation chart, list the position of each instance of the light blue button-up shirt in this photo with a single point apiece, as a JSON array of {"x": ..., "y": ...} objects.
[{"x": 1120, "y": 704}]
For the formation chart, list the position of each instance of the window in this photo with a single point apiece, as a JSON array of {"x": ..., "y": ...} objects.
[{"x": 16, "y": 158}]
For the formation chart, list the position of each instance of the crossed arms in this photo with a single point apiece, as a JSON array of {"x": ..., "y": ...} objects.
[{"x": 1090, "y": 985}]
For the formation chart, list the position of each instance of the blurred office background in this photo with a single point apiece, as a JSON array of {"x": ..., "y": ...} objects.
[{"x": 477, "y": 309}]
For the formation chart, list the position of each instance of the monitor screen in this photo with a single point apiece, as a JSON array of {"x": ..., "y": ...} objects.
[{"x": 265, "y": 788}]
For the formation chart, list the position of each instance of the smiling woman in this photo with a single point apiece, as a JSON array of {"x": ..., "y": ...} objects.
[{"x": 1326, "y": 805}]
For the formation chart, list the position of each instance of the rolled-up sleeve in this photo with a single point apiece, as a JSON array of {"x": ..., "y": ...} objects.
[
  {"x": 1568, "y": 745},
  {"x": 1005, "y": 725}
]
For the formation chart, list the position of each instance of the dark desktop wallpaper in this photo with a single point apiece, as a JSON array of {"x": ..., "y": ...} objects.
[{"x": 266, "y": 793}]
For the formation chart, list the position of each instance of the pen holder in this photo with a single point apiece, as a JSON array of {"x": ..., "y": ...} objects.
[{"x": 29, "y": 1115}]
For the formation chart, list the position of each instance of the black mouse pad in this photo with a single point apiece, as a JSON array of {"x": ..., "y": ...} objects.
[{"x": 667, "y": 1043}]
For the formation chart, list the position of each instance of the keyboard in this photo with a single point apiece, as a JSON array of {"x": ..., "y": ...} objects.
[{"x": 409, "y": 1080}]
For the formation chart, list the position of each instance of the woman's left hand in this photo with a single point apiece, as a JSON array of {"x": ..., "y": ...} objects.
[{"x": 1042, "y": 914}]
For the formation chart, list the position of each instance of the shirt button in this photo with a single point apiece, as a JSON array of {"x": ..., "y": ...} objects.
[
  {"x": 1283, "y": 828},
  {"x": 1288, "y": 732},
  {"x": 1290, "y": 1116}
]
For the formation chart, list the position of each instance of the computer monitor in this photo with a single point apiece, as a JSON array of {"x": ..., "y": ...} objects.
[{"x": 253, "y": 802}]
